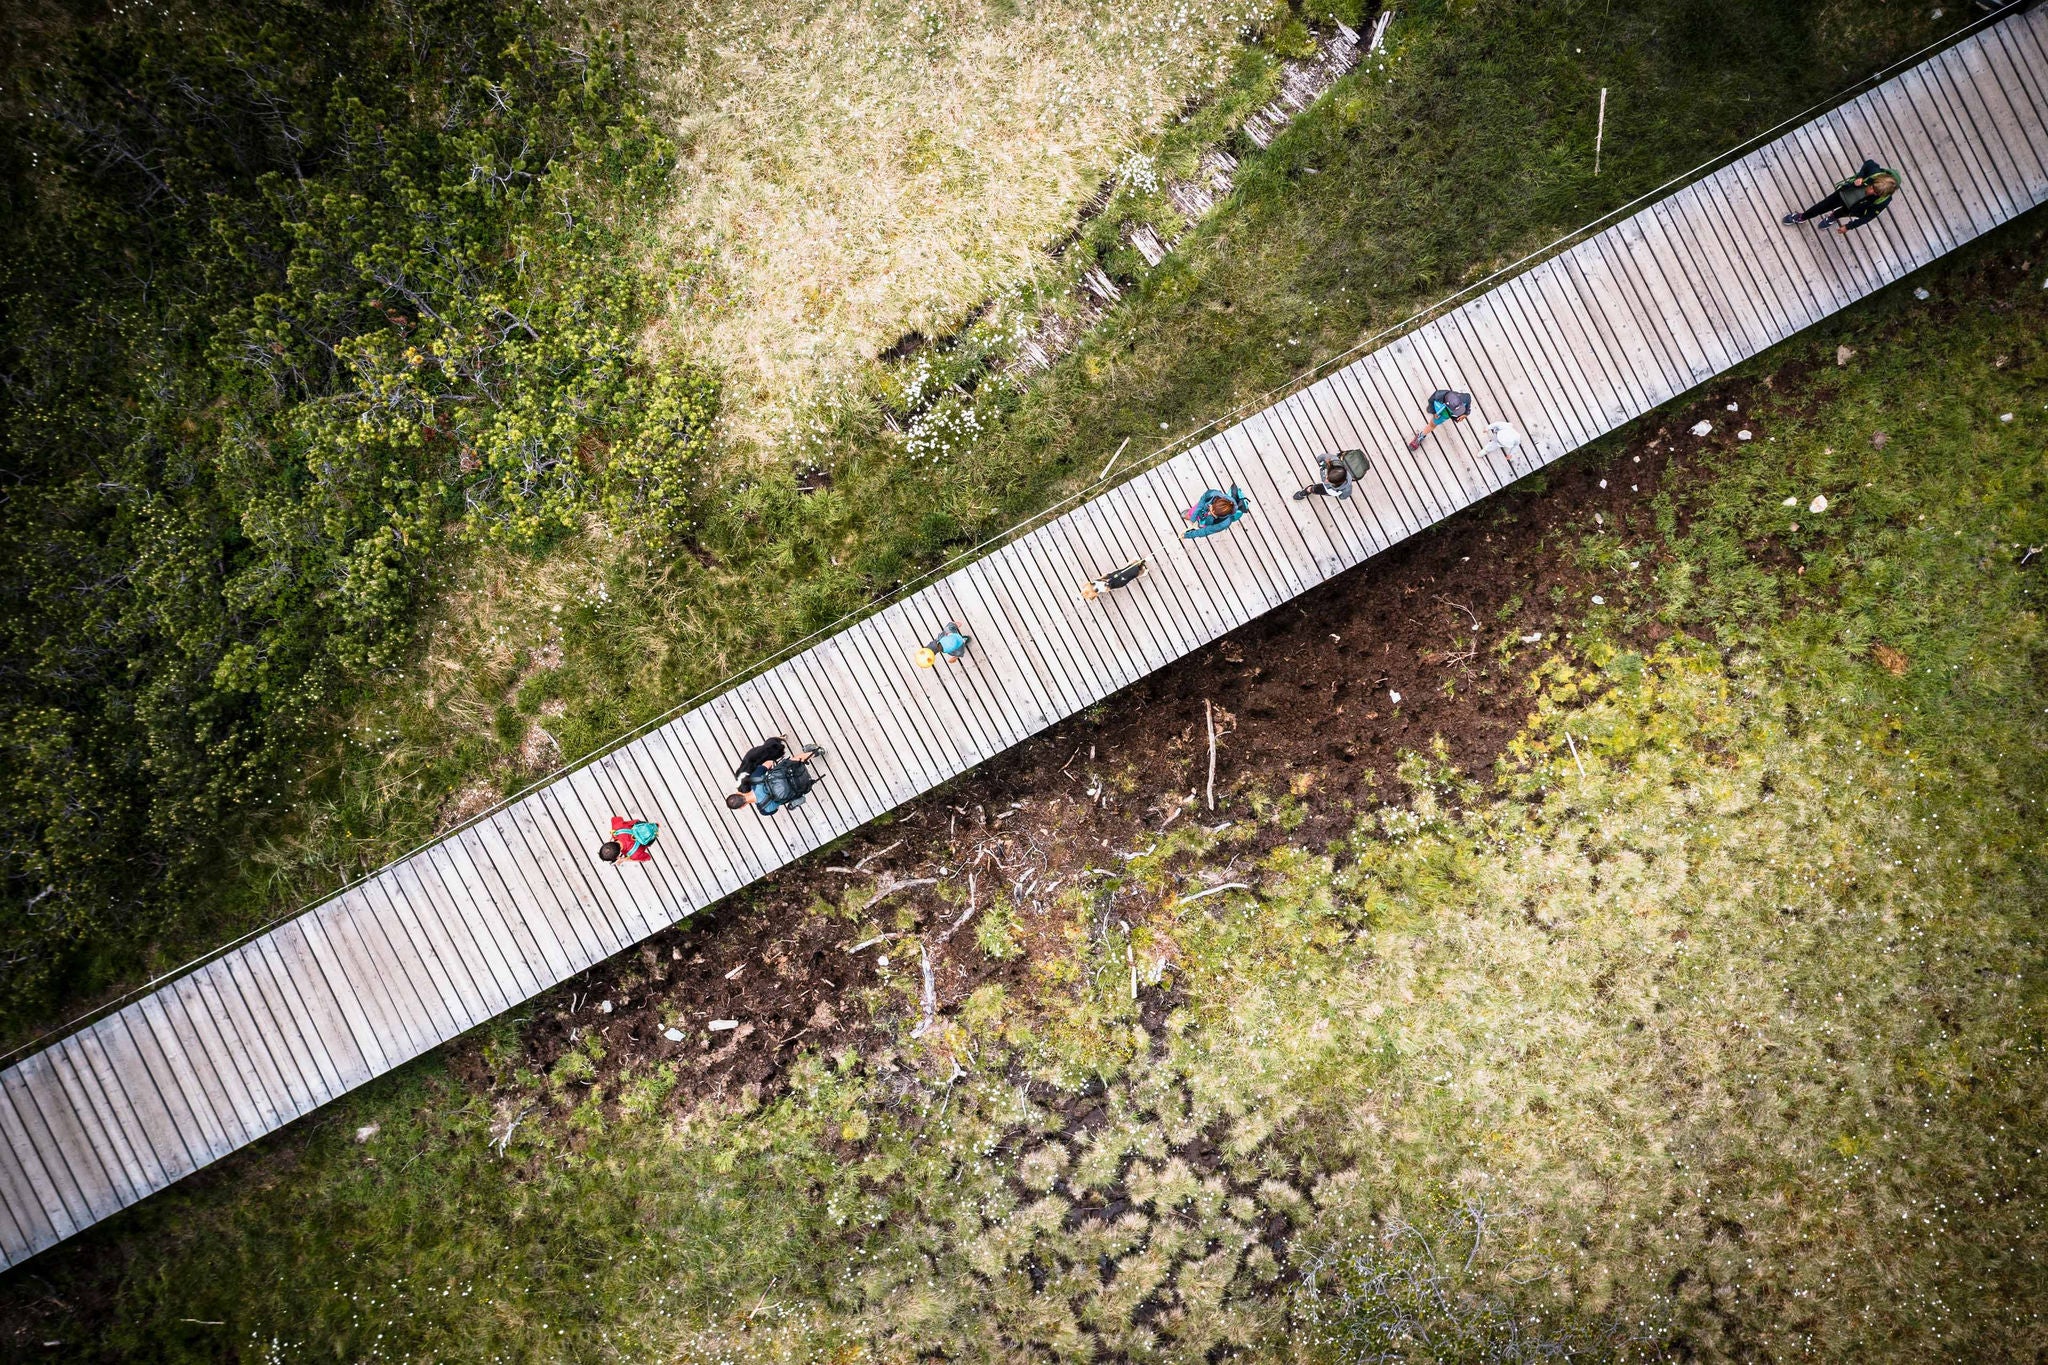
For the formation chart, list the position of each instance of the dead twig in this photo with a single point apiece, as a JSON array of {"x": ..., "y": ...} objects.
[
  {"x": 1575, "y": 755},
  {"x": 886, "y": 885},
  {"x": 1209, "y": 716},
  {"x": 1227, "y": 886},
  {"x": 861, "y": 866},
  {"x": 504, "y": 1143},
  {"x": 879, "y": 938}
]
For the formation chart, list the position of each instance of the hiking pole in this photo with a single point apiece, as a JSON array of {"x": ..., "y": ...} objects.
[{"x": 1600, "y": 132}]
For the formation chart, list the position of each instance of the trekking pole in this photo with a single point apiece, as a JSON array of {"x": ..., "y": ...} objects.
[{"x": 1600, "y": 132}]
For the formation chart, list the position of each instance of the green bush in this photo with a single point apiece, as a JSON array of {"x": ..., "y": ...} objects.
[{"x": 290, "y": 298}]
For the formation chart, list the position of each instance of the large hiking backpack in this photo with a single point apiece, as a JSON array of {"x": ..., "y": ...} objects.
[{"x": 786, "y": 783}]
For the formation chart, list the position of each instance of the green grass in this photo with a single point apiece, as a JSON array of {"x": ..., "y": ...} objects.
[
  {"x": 1469, "y": 144},
  {"x": 1727, "y": 1046}
]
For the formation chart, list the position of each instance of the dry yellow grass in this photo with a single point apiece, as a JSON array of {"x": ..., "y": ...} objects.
[{"x": 851, "y": 173}]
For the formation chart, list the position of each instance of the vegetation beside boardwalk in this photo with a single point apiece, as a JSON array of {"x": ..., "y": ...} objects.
[{"x": 1715, "y": 1032}]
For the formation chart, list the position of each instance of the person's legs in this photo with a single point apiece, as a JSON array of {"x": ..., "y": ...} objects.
[
  {"x": 1311, "y": 491},
  {"x": 1831, "y": 204}
]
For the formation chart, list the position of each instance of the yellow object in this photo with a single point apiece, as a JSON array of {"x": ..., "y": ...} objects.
[{"x": 926, "y": 659}]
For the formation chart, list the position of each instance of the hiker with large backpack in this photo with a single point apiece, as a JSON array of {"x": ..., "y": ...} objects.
[
  {"x": 1340, "y": 474},
  {"x": 770, "y": 789},
  {"x": 1445, "y": 405},
  {"x": 1855, "y": 202}
]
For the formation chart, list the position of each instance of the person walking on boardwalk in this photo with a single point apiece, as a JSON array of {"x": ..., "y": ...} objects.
[
  {"x": 1502, "y": 437},
  {"x": 1110, "y": 582},
  {"x": 769, "y": 789},
  {"x": 1215, "y": 511},
  {"x": 951, "y": 643},
  {"x": 1340, "y": 474},
  {"x": 1855, "y": 202},
  {"x": 1445, "y": 405},
  {"x": 631, "y": 840}
]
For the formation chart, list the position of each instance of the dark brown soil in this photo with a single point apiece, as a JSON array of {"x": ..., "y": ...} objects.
[{"x": 1303, "y": 696}]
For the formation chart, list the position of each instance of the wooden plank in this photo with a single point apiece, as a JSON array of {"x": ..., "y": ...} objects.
[
  {"x": 1965, "y": 150},
  {"x": 71, "y": 1164},
  {"x": 322, "y": 1020},
  {"x": 207, "y": 1048},
  {"x": 123, "y": 1075},
  {"x": 389, "y": 983},
  {"x": 2017, "y": 67},
  {"x": 268, "y": 1075},
  {"x": 81, "y": 1104},
  {"x": 41, "y": 1166},
  {"x": 189, "y": 1106},
  {"x": 192, "y": 1105},
  {"x": 263, "y": 995},
  {"x": 23, "y": 1192}
]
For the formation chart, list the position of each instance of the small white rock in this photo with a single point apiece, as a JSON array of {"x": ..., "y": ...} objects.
[
  {"x": 1702, "y": 428},
  {"x": 366, "y": 1132},
  {"x": 1599, "y": 520},
  {"x": 724, "y": 1025},
  {"x": 674, "y": 1035},
  {"x": 1789, "y": 502},
  {"x": 2005, "y": 417},
  {"x": 1394, "y": 696},
  {"x": 1598, "y": 600},
  {"x": 1843, "y": 355},
  {"x": 1638, "y": 459},
  {"x": 1735, "y": 407},
  {"x": 1603, "y": 483},
  {"x": 1635, "y": 564},
  {"x": 1532, "y": 637},
  {"x": 604, "y": 1007},
  {"x": 883, "y": 960},
  {"x": 1819, "y": 503},
  {"x": 1920, "y": 294},
  {"x": 1743, "y": 435}
]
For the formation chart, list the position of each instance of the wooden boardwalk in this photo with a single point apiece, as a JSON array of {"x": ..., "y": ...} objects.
[{"x": 502, "y": 910}]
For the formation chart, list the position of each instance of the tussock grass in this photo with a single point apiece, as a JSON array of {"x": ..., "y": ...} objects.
[
  {"x": 1727, "y": 1046},
  {"x": 854, "y": 173}
]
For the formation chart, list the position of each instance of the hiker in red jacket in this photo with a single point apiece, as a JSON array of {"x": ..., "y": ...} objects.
[{"x": 631, "y": 840}]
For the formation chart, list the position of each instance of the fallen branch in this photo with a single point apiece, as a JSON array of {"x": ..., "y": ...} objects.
[
  {"x": 862, "y": 947},
  {"x": 505, "y": 1142},
  {"x": 889, "y": 886},
  {"x": 1227, "y": 886},
  {"x": 861, "y": 866},
  {"x": 1209, "y": 715}
]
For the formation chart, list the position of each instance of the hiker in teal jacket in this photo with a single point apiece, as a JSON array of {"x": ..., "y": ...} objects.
[{"x": 1215, "y": 511}]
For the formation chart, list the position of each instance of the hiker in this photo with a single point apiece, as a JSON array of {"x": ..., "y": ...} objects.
[
  {"x": 631, "y": 840},
  {"x": 1341, "y": 473},
  {"x": 951, "y": 643},
  {"x": 1503, "y": 437},
  {"x": 1858, "y": 199},
  {"x": 1110, "y": 582},
  {"x": 1215, "y": 511},
  {"x": 769, "y": 789},
  {"x": 1445, "y": 405},
  {"x": 768, "y": 753}
]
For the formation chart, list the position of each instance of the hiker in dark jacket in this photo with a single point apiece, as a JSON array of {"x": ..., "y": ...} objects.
[
  {"x": 1445, "y": 405},
  {"x": 1856, "y": 201},
  {"x": 1339, "y": 475}
]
